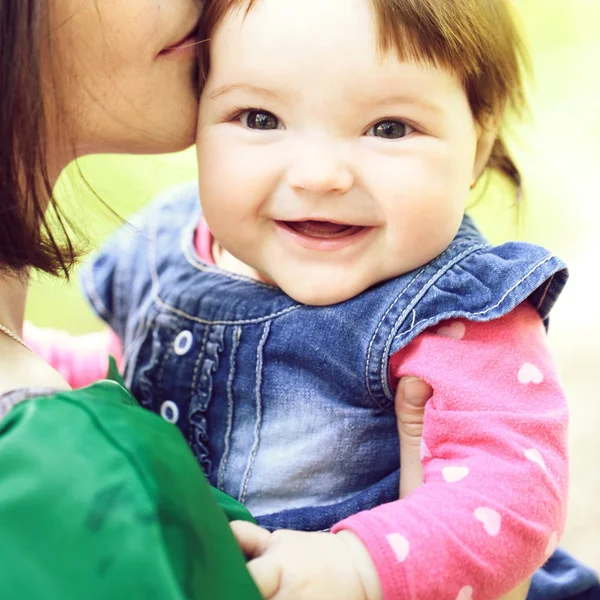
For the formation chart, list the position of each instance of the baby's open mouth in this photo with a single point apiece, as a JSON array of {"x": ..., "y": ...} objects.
[{"x": 321, "y": 229}]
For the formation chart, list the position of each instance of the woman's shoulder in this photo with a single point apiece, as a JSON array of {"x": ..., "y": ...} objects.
[
  {"x": 23, "y": 369},
  {"x": 104, "y": 400},
  {"x": 23, "y": 376}
]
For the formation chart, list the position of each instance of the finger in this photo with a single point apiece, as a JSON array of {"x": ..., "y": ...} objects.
[
  {"x": 253, "y": 540},
  {"x": 411, "y": 397},
  {"x": 519, "y": 593},
  {"x": 266, "y": 573}
]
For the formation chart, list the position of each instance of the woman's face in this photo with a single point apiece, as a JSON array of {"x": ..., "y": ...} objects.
[{"x": 124, "y": 72}]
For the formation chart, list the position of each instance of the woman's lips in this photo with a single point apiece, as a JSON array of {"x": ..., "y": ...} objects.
[
  {"x": 323, "y": 235},
  {"x": 185, "y": 45}
]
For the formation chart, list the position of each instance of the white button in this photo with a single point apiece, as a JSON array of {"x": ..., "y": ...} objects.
[
  {"x": 169, "y": 411},
  {"x": 183, "y": 342}
]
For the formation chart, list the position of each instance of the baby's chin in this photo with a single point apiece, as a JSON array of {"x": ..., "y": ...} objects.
[{"x": 318, "y": 293}]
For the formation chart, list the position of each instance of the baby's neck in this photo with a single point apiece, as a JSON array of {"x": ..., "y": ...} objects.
[{"x": 226, "y": 261}]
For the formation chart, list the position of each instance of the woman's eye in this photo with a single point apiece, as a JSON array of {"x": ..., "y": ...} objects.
[
  {"x": 260, "y": 119},
  {"x": 390, "y": 130}
]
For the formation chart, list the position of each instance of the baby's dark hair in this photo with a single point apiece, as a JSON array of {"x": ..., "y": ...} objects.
[{"x": 478, "y": 40}]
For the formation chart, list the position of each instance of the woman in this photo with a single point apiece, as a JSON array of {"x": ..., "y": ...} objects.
[
  {"x": 97, "y": 497},
  {"x": 90, "y": 504}
]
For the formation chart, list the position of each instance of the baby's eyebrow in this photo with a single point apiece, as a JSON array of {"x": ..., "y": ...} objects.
[
  {"x": 395, "y": 99},
  {"x": 415, "y": 100},
  {"x": 241, "y": 87}
]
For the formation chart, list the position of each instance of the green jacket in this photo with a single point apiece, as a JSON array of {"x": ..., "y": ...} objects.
[{"x": 101, "y": 499}]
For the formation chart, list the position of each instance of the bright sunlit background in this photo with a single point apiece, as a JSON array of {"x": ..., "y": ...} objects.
[{"x": 559, "y": 152}]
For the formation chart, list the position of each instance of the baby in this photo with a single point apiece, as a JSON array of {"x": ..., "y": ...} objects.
[{"x": 338, "y": 141}]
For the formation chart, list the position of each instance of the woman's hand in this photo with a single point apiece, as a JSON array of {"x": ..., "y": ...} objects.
[{"x": 411, "y": 397}]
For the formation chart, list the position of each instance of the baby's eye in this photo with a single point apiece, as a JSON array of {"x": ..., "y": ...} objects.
[
  {"x": 390, "y": 130},
  {"x": 260, "y": 119}
]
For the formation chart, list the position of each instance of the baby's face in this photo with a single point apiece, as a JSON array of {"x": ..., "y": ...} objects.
[{"x": 325, "y": 166}]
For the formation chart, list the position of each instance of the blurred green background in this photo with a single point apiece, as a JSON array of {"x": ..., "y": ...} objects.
[{"x": 559, "y": 152}]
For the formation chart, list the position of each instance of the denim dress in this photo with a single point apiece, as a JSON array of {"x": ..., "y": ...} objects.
[{"x": 288, "y": 407}]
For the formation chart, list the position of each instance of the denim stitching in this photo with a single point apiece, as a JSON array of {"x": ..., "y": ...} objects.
[
  {"x": 195, "y": 441},
  {"x": 369, "y": 351},
  {"x": 155, "y": 292},
  {"x": 123, "y": 304},
  {"x": 138, "y": 335},
  {"x": 259, "y": 369},
  {"x": 515, "y": 286},
  {"x": 161, "y": 367},
  {"x": 372, "y": 342},
  {"x": 258, "y": 320},
  {"x": 132, "y": 343},
  {"x": 198, "y": 361},
  {"x": 445, "y": 267},
  {"x": 235, "y": 342},
  {"x": 186, "y": 247},
  {"x": 438, "y": 318},
  {"x": 427, "y": 287},
  {"x": 490, "y": 308},
  {"x": 90, "y": 288},
  {"x": 541, "y": 302},
  {"x": 153, "y": 258},
  {"x": 131, "y": 352},
  {"x": 212, "y": 350}
]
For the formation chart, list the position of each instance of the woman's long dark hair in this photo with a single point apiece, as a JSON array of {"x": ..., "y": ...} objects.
[{"x": 26, "y": 237}]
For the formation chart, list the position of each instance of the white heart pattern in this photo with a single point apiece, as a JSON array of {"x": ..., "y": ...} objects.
[
  {"x": 454, "y": 474},
  {"x": 455, "y": 331},
  {"x": 529, "y": 373},
  {"x": 490, "y": 519},
  {"x": 425, "y": 453},
  {"x": 552, "y": 545},
  {"x": 535, "y": 457},
  {"x": 399, "y": 545},
  {"x": 466, "y": 593}
]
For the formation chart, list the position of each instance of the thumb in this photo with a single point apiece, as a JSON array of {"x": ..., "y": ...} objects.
[
  {"x": 252, "y": 539},
  {"x": 411, "y": 397},
  {"x": 266, "y": 572},
  {"x": 264, "y": 569}
]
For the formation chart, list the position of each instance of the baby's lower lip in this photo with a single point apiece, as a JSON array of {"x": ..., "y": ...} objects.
[{"x": 322, "y": 235}]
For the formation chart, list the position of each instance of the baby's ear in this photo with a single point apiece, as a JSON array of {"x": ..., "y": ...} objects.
[{"x": 487, "y": 134}]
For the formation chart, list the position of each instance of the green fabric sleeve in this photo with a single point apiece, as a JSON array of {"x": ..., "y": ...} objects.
[{"x": 102, "y": 499}]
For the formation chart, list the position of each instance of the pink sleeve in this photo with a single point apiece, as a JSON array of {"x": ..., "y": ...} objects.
[
  {"x": 494, "y": 454},
  {"x": 80, "y": 359}
]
